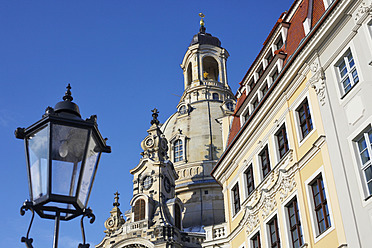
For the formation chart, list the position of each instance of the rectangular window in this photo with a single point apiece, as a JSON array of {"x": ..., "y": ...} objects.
[
  {"x": 304, "y": 116},
  {"x": 255, "y": 241},
  {"x": 282, "y": 141},
  {"x": 320, "y": 204},
  {"x": 364, "y": 144},
  {"x": 236, "y": 198},
  {"x": 250, "y": 180},
  {"x": 347, "y": 71},
  {"x": 294, "y": 224},
  {"x": 274, "y": 233},
  {"x": 265, "y": 161},
  {"x": 178, "y": 150}
]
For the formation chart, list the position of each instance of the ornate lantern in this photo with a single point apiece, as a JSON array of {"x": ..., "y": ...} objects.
[{"x": 62, "y": 153}]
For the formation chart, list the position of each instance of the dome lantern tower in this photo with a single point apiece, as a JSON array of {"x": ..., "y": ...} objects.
[{"x": 204, "y": 64}]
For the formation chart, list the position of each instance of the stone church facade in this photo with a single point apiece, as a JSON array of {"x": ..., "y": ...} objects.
[{"x": 174, "y": 195}]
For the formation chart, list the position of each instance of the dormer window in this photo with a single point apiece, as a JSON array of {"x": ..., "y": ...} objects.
[
  {"x": 264, "y": 89},
  {"x": 269, "y": 57},
  {"x": 275, "y": 74},
  {"x": 246, "y": 115},
  {"x": 230, "y": 106},
  {"x": 279, "y": 43},
  {"x": 260, "y": 71},
  {"x": 251, "y": 84},
  {"x": 255, "y": 103},
  {"x": 178, "y": 150}
]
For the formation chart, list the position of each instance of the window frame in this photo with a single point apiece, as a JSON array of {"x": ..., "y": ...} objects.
[
  {"x": 264, "y": 151},
  {"x": 274, "y": 74},
  {"x": 322, "y": 207},
  {"x": 178, "y": 150},
  {"x": 274, "y": 221},
  {"x": 254, "y": 102},
  {"x": 296, "y": 104},
  {"x": 298, "y": 224},
  {"x": 318, "y": 236},
  {"x": 269, "y": 57},
  {"x": 249, "y": 183},
  {"x": 308, "y": 119},
  {"x": 286, "y": 147},
  {"x": 280, "y": 38},
  {"x": 260, "y": 71},
  {"x": 256, "y": 236},
  {"x": 264, "y": 89},
  {"x": 344, "y": 59},
  {"x": 235, "y": 199},
  {"x": 362, "y": 167}
]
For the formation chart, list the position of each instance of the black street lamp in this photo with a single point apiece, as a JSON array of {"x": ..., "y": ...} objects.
[{"x": 62, "y": 153}]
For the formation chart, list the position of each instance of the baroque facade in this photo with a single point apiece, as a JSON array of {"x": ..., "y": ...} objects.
[
  {"x": 174, "y": 194},
  {"x": 297, "y": 170},
  {"x": 292, "y": 165}
]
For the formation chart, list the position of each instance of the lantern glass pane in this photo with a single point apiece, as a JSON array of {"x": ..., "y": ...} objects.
[
  {"x": 38, "y": 151},
  {"x": 89, "y": 170},
  {"x": 67, "y": 154}
]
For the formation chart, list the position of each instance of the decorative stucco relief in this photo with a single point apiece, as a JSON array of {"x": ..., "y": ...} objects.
[
  {"x": 363, "y": 9},
  {"x": 282, "y": 183},
  {"x": 286, "y": 186},
  {"x": 317, "y": 81},
  {"x": 268, "y": 205},
  {"x": 252, "y": 222}
]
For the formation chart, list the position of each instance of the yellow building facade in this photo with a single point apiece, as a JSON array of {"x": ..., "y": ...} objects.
[{"x": 278, "y": 181}]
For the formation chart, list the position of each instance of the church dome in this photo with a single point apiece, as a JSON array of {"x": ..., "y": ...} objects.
[{"x": 204, "y": 38}]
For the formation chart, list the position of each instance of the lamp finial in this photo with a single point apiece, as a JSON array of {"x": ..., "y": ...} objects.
[{"x": 67, "y": 96}]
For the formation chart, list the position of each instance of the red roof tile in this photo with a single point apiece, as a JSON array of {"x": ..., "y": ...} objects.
[{"x": 318, "y": 10}]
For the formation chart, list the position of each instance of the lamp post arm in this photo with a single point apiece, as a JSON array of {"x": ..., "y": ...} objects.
[
  {"x": 27, "y": 205},
  {"x": 88, "y": 213}
]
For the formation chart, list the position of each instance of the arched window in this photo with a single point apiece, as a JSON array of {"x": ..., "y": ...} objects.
[
  {"x": 210, "y": 69},
  {"x": 178, "y": 150},
  {"x": 139, "y": 210},
  {"x": 177, "y": 216},
  {"x": 189, "y": 75}
]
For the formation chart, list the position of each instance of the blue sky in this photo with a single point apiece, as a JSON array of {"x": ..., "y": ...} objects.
[{"x": 122, "y": 59}]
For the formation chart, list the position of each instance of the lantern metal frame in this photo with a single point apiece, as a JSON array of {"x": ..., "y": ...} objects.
[{"x": 65, "y": 114}]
